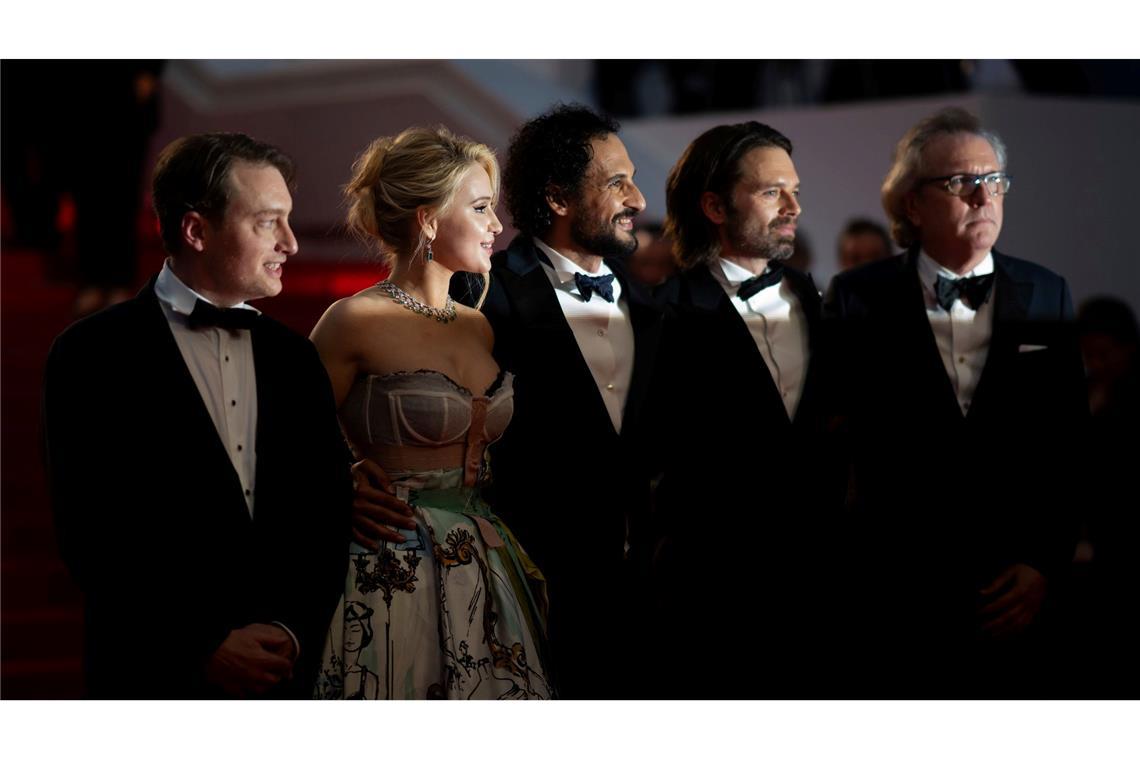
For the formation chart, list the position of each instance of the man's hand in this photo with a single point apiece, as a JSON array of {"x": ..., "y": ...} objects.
[
  {"x": 1011, "y": 602},
  {"x": 376, "y": 511},
  {"x": 251, "y": 660}
]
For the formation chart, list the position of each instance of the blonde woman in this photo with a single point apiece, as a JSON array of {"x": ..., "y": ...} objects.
[{"x": 454, "y": 604}]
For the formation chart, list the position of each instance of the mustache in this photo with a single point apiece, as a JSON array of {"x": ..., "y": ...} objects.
[
  {"x": 630, "y": 214},
  {"x": 782, "y": 221}
]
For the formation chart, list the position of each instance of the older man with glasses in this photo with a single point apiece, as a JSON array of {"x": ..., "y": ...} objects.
[{"x": 961, "y": 363}]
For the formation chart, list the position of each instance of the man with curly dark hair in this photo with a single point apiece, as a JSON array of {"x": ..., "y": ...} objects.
[
  {"x": 579, "y": 335},
  {"x": 550, "y": 157}
]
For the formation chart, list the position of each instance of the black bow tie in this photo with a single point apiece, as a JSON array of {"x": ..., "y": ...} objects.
[
  {"x": 771, "y": 275},
  {"x": 972, "y": 290},
  {"x": 602, "y": 285},
  {"x": 208, "y": 315}
]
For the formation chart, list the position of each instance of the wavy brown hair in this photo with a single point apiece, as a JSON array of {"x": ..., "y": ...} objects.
[
  {"x": 711, "y": 163},
  {"x": 908, "y": 167}
]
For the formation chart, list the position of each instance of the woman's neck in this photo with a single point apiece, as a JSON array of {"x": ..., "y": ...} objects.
[{"x": 426, "y": 281}]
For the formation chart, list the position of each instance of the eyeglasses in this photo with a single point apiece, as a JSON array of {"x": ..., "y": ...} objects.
[{"x": 996, "y": 183}]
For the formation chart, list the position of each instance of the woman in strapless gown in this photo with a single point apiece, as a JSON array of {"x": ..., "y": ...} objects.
[{"x": 454, "y": 610}]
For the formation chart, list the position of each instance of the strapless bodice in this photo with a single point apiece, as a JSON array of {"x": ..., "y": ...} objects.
[{"x": 423, "y": 420}]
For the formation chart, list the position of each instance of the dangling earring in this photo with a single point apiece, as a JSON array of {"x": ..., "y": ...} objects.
[{"x": 428, "y": 254}]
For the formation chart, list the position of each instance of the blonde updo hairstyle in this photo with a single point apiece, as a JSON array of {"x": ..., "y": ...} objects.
[{"x": 396, "y": 176}]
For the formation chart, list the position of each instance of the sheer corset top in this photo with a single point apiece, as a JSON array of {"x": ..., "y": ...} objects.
[{"x": 418, "y": 421}]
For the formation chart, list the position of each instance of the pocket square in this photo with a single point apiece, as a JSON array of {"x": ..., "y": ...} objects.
[{"x": 1025, "y": 347}]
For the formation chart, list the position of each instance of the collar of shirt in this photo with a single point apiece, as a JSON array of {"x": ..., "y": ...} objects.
[
  {"x": 561, "y": 270},
  {"x": 730, "y": 275},
  {"x": 179, "y": 296},
  {"x": 929, "y": 269}
]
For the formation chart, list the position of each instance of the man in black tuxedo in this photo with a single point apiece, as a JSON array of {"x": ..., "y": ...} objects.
[
  {"x": 959, "y": 390},
  {"x": 580, "y": 336},
  {"x": 739, "y": 428},
  {"x": 199, "y": 477}
]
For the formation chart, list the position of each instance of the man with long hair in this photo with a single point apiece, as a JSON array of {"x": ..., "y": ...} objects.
[{"x": 736, "y": 399}]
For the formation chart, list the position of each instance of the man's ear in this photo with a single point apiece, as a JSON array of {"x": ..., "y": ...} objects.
[
  {"x": 556, "y": 199},
  {"x": 428, "y": 221},
  {"x": 713, "y": 207},
  {"x": 909, "y": 205},
  {"x": 194, "y": 230}
]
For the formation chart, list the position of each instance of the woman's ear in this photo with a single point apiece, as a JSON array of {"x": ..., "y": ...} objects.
[{"x": 428, "y": 222}]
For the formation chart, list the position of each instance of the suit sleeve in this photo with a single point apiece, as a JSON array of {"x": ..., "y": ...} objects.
[
  {"x": 1051, "y": 542},
  {"x": 312, "y": 533},
  {"x": 139, "y": 601},
  {"x": 63, "y": 419}
]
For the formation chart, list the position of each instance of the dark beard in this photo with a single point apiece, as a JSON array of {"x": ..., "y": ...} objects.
[
  {"x": 781, "y": 249},
  {"x": 763, "y": 246},
  {"x": 601, "y": 240}
]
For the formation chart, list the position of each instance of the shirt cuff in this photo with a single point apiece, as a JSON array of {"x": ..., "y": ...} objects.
[{"x": 296, "y": 643}]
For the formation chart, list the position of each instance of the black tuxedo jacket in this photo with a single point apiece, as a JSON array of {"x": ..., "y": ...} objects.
[
  {"x": 570, "y": 487},
  {"x": 150, "y": 512},
  {"x": 942, "y": 502},
  {"x": 740, "y": 477},
  {"x": 719, "y": 414}
]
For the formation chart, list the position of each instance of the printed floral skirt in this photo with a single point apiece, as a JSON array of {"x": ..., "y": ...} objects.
[{"x": 457, "y": 611}]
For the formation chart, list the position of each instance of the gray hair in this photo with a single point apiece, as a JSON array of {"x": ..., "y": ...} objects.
[{"x": 908, "y": 164}]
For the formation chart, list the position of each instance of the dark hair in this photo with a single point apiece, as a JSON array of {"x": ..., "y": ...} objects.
[
  {"x": 550, "y": 151},
  {"x": 863, "y": 226},
  {"x": 711, "y": 163},
  {"x": 193, "y": 174}
]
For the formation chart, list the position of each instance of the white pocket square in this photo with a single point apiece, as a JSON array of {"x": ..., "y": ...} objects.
[{"x": 1024, "y": 347}]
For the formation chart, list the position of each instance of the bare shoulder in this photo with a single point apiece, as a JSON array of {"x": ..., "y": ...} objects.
[
  {"x": 477, "y": 323},
  {"x": 343, "y": 316}
]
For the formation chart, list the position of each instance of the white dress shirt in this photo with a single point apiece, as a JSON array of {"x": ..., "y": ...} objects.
[
  {"x": 962, "y": 335},
  {"x": 602, "y": 329},
  {"x": 776, "y": 320},
  {"x": 221, "y": 363}
]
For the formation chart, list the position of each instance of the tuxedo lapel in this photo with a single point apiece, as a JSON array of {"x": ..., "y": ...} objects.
[
  {"x": 268, "y": 420},
  {"x": 546, "y": 328},
  {"x": 184, "y": 410},
  {"x": 533, "y": 295},
  {"x": 645, "y": 320},
  {"x": 1011, "y": 308},
  {"x": 803, "y": 286},
  {"x": 910, "y": 307},
  {"x": 711, "y": 302},
  {"x": 714, "y": 307}
]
